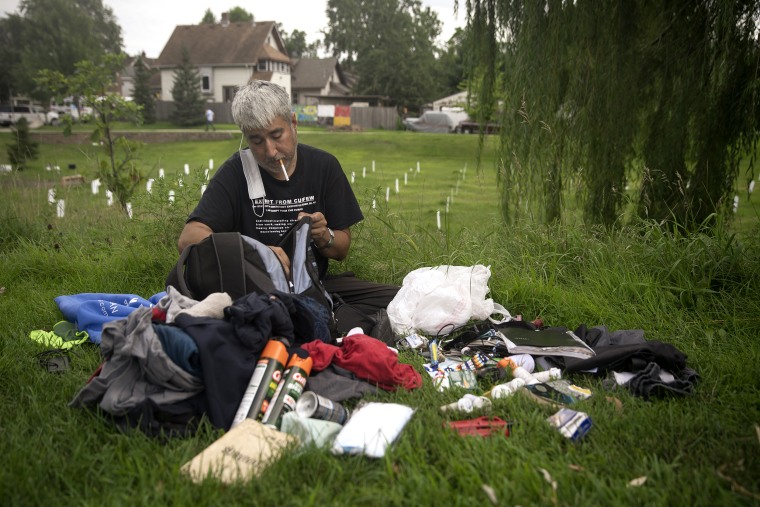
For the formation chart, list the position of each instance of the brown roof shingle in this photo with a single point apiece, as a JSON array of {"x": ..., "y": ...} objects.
[{"x": 240, "y": 43}]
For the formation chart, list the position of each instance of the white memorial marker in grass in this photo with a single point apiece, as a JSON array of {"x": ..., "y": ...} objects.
[
  {"x": 751, "y": 186},
  {"x": 418, "y": 166},
  {"x": 210, "y": 163},
  {"x": 373, "y": 166},
  {"x": 161, "y": 173},
  {"x": 374, "y": 204},
  {"x": 179, "y": 183},
  {"x": 736, "y": 203},
  {"x": 203, "y": 189},
  {"x": 397, "y": 185},
  {"x": 149, "y": 185},
  {"x": 129, "y": 210},
  {"x": 364, "y": 171},
  {"x": 109, "y": 198},
  {"x": 60, "y": 209},
  {"x": 353, "y": 177},
  {"x": 95, "y": 186},
  {"x": 51, "y": 196},
  {"x": 387, "y": 194},
  {"x": 205, "y": 174},
  {"x": 405, "y": 180},
  {"x": 438, "y": 219},
  {"x": 187, "y": 168},
  {"x": 171, "y": 195}
]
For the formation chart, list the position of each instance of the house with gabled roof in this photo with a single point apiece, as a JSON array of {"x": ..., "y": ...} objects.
[
  {"x": 318, "y": 77},
  {"x": 227, "y": 55}
]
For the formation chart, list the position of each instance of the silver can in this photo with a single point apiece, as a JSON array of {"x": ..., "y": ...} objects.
[{"x": 310, "y": 404}]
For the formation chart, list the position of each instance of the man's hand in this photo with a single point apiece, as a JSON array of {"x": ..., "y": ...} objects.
[
  {"x": 319, "y": 233},
  {"x": 320, "y": 236}
]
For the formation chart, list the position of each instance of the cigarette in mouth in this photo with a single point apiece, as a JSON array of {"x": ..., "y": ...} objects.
[{"x": 284, "y": 171}]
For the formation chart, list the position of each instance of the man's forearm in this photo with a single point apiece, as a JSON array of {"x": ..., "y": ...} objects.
[{"x": 193, "y": 233}]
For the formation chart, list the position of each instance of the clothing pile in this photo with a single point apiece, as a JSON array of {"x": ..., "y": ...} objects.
[{"x": 169, "y": 365}]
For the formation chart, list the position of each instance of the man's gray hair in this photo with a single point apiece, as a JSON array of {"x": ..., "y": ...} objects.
[{"x": 257, "y": 104}]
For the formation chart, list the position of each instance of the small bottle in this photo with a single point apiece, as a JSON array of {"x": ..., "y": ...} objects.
[
  {"x": 508, "y": 389},
  {"x": 547, "y": 375},
  {"x": 518, "y": 371}
]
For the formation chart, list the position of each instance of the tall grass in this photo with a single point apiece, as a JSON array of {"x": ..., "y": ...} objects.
[{"x": 699, "y": 293}]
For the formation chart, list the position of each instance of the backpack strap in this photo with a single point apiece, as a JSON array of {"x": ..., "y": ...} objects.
[{"x": 228, "y": 248}]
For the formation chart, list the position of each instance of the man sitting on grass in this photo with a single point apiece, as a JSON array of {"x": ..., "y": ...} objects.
[{"x": 298, "y": 180}]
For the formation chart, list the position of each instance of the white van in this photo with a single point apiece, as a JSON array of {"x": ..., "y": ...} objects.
[{"x": 10, "y": 115}]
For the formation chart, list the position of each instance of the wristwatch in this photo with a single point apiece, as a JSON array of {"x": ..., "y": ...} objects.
[{"x": 330, "y": 242}]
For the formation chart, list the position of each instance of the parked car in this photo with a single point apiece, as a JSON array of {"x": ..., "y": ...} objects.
[
  {"x": 9, "y": 115},
  {"x": 433, "y": 121},
  {"x": 469, "y": 126}
]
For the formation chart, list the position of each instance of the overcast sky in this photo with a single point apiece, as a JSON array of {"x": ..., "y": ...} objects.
[{"x": 147, "y": 24}]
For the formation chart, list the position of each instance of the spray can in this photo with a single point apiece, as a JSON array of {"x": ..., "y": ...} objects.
[
  {"x": 310, "y": 404},
  {"x": 266, "y": 376},
  {"x": 289, "y": 389}
]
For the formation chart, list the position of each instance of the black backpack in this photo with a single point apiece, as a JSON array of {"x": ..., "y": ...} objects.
[{"x": 239, "y": 265}]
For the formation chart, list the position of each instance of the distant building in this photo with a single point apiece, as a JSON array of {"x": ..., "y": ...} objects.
[{"x": 227, "y": 55}]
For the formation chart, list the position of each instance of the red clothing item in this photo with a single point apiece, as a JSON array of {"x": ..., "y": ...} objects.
[{"x": 366, "y": 357}]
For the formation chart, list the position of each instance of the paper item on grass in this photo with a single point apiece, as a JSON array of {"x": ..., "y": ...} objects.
[
  {"x": 240, "y": 454},
  {"x": 371, "y": 429},
  {"x": 544, "y": 342}
]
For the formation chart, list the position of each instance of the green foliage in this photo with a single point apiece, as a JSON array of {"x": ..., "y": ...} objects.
[
  {"x": 695, "y": 291},
  {"x": 296, "y": 44},
  {"x": 142, "y": 94},
  {"x": 238, "y": 13},
  {"x": 22, "y": 148},
  {"x": 55, "y": 35},
  {"x": 186, "y": 93},
  {"x": 118, "y": 169},
  {"x": 208, "y": 18},
  {"x": 616, "y": 95},
  {"x": 389, "y": 44}
]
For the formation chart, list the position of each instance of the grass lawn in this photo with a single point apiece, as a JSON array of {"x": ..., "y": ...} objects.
[{"x": 699, "y": 293}]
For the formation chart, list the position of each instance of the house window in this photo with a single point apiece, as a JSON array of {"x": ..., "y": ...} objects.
[
  {"x": 206, "y": 83},
  {"x": 228, "y": 93},
  {"x": 262, "y": 65}
]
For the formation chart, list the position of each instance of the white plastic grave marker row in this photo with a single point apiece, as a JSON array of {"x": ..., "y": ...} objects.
[
  {"x": 129, "y": 210},
  {"x": 187, "y": 168},
  {"x": 95, "y": 186},
  {"x": 203, "y": 189},
  {"x": 51, "y": 196},
  {"x": 161, "y": 173},
  {"x": 387, "y": 194},
  {"x": 353, "y": 177},
  {"x": 171, "y": 195},
  {"x": 397, "y": 185},
  {"x": 149, "y": 185},
  {"x": 438, "y": 218},
  {"x": 109, "y": 197},
  {"x": 210, "y": 164},
  {"x": 60, "y": 209}
]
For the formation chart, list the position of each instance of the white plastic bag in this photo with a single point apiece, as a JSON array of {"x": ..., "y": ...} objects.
[{"x": 437, "y": 300}]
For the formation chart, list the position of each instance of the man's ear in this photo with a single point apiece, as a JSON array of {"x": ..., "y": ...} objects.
[{"x": 294, "y": 120}]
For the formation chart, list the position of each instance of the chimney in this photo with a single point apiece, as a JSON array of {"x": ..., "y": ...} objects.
[{"x": 225, "y": 19}]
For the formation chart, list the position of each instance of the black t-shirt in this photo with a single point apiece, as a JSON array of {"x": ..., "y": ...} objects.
[{"x": 317, "y": 184}]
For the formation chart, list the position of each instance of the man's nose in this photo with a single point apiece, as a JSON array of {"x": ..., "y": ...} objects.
[{"x": 271, "y": 148}]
